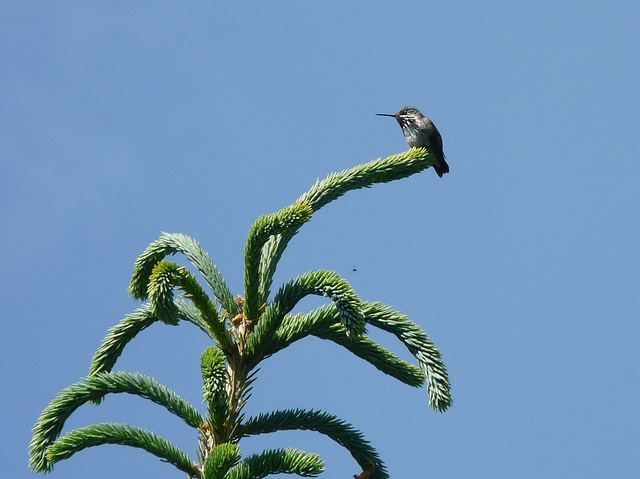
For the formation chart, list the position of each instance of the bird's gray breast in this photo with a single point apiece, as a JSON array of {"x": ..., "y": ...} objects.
[{"x": 415, "y": 136}]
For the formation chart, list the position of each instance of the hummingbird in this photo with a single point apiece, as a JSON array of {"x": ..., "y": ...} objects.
[{"x": 421, "y": 132}]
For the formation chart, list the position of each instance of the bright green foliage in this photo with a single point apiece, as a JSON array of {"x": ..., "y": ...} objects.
[
  {"x": 170, "y": 244},
  {"x": 323, "y": 283},
  {"x": 125, "y": 435},
  {"x": 341, "y": 432},
  {"x": 214, "y": 378},
  {"x": 418, "y": 344},
  {"x": 289, "y": 219},
  {"x": 245, "y": 331},
  {"x": 385, "y": 170},
  {"x": 94, "y": 388},
  {"x": 220, "y": 460},
  {"x": 278, "y": 461},
  {"x": 166, "y": 276},
  {"x": 127, "y": 329}
]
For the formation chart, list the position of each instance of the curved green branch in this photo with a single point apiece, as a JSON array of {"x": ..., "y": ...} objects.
[
  {"x": 337, "y": 430},
  {"x": 418, "y": 344},
  {"x": 323, "y": 283},
  {"x": 287, "y": 220},
  {"x": 125, "y": 435},
  {"x": 93, "y": 389},
  {"x": 335, "y": 185},
  {"x": 383, "y": 359},
  {"x": 278, "y": 461},
  {"x": 122, "y": 333},
  {"x": 164, "y": 278},
  {"x": 264, "y": 343},
  {"x": 323, "y": 323},
  {"x": 272, "y": 251},
  {"x": 170, "y": 244},
  {"x": 381, "y": 170},
  {"x": 119, "y": 336}
]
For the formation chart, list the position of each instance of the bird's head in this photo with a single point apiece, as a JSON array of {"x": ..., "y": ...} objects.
[{"x": 409, "y": 115}]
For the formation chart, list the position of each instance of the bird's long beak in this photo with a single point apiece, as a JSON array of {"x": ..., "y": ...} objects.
[{"x": 385, "y": 114}]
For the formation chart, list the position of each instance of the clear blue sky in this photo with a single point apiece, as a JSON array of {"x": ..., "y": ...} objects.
[{"x": 120, "y": 120}]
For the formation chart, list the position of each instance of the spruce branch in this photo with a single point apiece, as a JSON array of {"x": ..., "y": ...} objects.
[
  {"x": 278, "y": 461},
  {"x": 122, "y": 333},
  {"x": 119, "y": 336},
  {"x": 93, "y": 389},
  {"x": 420, "y": 345},
  {"x": 125, "y": 435},
  {"x": 392, "y": 168},
  {"x": 365, "y": 175},
  {"x": 220, "y": 460},
  {"x": 170, "y": 244},
  {"x": 164, "y": 278},
  {"x": 263, "y": 344},
  {"x": 214, "y": 377},
  {"x": 272, "y": 251},
  {"x": 323, "y": 323},
  {"x": 323, "y": 283},
  {"x": 383, "y": 359},
  {"x": 339, "y": 431},
  {"x": 286, "y": 220}
]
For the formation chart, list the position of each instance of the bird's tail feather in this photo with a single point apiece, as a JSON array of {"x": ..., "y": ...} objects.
[{"x": 441, "y": 167}]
